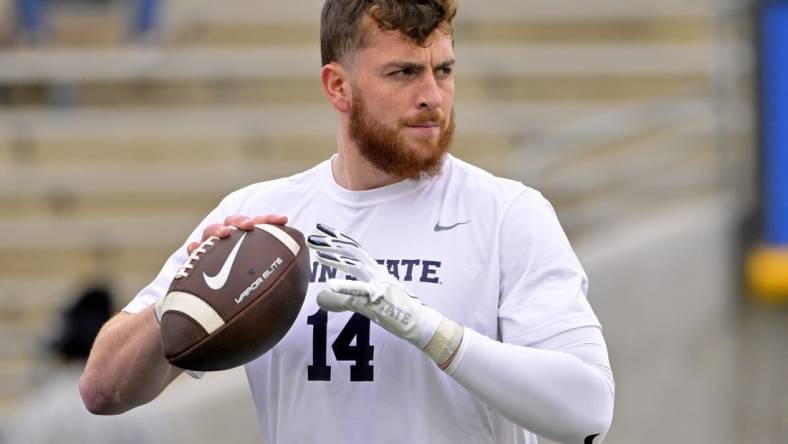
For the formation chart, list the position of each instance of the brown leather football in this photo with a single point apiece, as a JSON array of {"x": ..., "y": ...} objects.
[{"x": 235, "y": 298}]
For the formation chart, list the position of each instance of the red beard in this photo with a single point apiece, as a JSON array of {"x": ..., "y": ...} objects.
[{"x": 385, "y": 149}]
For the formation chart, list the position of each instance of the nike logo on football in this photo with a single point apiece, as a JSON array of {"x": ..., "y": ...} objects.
[
  {"x": 439, "y": 227},
  {"x": 218, "y": 281},
  {"x": 590, "y": 439}
]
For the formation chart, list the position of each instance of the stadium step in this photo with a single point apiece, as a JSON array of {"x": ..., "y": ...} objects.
[
  {"x": 507, "y": 31},
  {"x": 307, "y": 91},
  {"x": 28, "y": 66},
  {"x": 129, "y": 77},
  {"x": 244, "y": 22}
]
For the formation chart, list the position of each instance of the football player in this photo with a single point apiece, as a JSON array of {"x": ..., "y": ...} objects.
[{"x": 446, "y": 304}]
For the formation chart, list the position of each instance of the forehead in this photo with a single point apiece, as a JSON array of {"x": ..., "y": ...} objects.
[{"x": 387, "y": 46}]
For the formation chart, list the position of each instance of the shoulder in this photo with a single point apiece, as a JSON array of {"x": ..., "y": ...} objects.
[
  {"x": 484, "y": 188},
  {"x": 283, "y": 189}
]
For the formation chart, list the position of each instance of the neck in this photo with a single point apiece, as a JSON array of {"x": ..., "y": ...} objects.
[{"x": 355, "y": 173}]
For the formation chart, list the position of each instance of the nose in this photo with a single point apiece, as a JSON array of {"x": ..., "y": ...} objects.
[{"x": 430, "y": 96}]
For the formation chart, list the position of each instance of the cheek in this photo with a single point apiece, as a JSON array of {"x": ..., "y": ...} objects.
[
  {"x": 448, "y": 96},
  {"x": 388, "y": 109}
]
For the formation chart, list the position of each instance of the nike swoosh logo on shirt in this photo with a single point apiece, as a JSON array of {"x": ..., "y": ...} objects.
[
  {"x": 439, "y": 227},
  {"x": 216, "y": 282},
  {"x": 590, "y": 439}
]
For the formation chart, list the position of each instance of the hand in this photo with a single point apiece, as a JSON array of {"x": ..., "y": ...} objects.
[
  {"x": 235, "y": 222},
  {"x": 380, "y": 297},
  {"x": 220, "y": 231}
]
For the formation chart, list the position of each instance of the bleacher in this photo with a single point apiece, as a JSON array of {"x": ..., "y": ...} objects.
[{"x": 112, "y": 150}]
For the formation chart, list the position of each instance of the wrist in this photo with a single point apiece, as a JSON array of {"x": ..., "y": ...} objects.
[
  {"x": 429, "y": 320},
  {"x": 443, "y": 346},
  {"x": 445, "y": 365}
]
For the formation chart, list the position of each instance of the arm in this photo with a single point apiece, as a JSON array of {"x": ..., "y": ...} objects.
[
  {"x": 126, "y": 367},
  {"x": 552, "y": 354},
  {"x": 558, "y": 385},
  {"x": 565, "y": 381}
]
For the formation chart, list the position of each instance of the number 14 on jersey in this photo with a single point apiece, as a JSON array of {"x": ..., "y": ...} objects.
[{"x": 360, "y": 353}]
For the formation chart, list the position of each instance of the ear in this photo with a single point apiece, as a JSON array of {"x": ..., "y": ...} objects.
[{"x": 336, "y": 84}]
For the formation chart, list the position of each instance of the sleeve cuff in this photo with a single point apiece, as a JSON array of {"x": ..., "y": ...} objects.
[{"x": 468, "y": 337}]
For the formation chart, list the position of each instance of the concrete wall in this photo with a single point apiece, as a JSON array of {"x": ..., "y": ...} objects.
[{"x": 663, "y": 285}]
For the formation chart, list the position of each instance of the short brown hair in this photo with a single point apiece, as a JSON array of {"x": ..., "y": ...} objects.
[{"x": 341, "y": 23}]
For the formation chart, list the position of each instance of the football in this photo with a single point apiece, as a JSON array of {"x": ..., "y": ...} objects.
[{"x": 234, "y": 298}]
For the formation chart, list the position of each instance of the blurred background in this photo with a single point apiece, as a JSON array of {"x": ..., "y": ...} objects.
[{"x": 656, "y": 128}]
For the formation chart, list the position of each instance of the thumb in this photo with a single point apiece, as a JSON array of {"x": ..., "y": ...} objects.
[{"x": 350, "y": 288}]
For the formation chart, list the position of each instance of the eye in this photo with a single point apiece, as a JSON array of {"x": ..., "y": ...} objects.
[
  {"x": 445, "y": 71},
  {"x": 405, "y": 72}
]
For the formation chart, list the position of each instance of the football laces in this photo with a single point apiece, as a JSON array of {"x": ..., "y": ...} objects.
[{"x": 188, "y": 266}]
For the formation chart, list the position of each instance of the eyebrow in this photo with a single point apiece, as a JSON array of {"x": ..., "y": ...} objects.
[{"x": 416, "y": 66}]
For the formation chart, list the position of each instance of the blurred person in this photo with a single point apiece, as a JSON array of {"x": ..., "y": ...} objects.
[
  {"x": 30, "y": 20},
  {"x": 80, "y": 323},
  {"x": 33, "y": 24},
  {"x": 53, "y": 413},
  {"x": 506, "y": 344}
]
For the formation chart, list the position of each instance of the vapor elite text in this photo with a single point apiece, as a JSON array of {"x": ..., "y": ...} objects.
[{"x": 276, "y": 264}]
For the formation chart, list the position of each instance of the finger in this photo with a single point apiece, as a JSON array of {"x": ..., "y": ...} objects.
[
  {"x": 349, "y": 265},
  {"x": 217, "y": 230},
  {"x": 275, "y": 219},
  {"x": 361, "y": 290},
  {"x": 345, "y": 238},
  {"x": 318, "y": 241},
  {"x": 336, "y": 234},
  {"x": 325, "y": 229},
  {"x": 330, "y": 301},
  {"x": 329, "y": 240},
  {"x": 333, "y": 260},
  {"x": 351, "y": 288},
  {"x": 191, "y": 246},
  {"x": 321, "y": 242},
  {"x": 239, "y": 221}
]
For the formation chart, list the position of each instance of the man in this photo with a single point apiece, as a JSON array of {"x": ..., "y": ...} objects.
[{"x": 476, "y": 272}]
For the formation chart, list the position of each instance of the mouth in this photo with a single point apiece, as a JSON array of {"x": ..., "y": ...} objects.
[
  {"x": 424, "y": 126},
  {"x": 425, "y": 129}
]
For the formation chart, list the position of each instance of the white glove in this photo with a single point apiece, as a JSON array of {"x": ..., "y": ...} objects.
[{"x": 380, "y": 297}]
